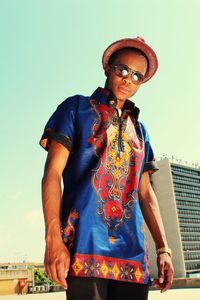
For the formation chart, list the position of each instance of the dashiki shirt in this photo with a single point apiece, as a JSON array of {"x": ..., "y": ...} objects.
[{"x": 101, "y": 220}]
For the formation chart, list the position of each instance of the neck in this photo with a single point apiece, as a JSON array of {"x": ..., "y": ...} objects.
[{"x": 120, "y": 103}]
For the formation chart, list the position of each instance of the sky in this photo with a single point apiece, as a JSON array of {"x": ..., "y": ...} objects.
[{"x": 51, "y": 50}]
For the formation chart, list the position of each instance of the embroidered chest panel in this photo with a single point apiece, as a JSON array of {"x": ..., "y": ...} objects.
[{"x": 121, "y": 153}]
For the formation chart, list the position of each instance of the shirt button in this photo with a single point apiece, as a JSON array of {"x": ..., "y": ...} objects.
[{"x": 112, "y": 102}]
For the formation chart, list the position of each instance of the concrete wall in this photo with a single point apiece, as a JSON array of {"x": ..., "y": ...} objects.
[{"x": 9, "y": 280}]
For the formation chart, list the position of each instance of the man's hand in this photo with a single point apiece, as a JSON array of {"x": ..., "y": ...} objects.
[
  {"x": 56, "y": 261},
  {"x": 165, "y": 272}
]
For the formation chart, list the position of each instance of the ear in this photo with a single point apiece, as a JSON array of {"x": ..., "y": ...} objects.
[{"x": 107, "y": 70}]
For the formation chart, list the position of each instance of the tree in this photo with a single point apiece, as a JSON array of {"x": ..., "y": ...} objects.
[{"x": 41, "y": 278}]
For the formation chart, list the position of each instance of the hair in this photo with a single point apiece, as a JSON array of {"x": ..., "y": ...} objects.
[{"x": 114, "y": 56}]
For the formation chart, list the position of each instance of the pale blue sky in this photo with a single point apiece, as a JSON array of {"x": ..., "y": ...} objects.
[{"x": 51, "y": 50}]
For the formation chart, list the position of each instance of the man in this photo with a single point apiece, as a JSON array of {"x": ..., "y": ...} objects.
[{"x": 94, "y": 228}]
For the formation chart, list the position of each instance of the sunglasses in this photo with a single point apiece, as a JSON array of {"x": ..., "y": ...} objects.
[{"x": 123, "y": 71}]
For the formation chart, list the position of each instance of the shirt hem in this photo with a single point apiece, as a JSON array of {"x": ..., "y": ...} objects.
[
  {"x": 50, "y": 134},
  {"x": 151, "y": 167},
  {"x": 91, "y": 265}
]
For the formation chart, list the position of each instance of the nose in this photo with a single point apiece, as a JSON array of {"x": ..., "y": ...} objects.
[{"x": 128, "y": 78}]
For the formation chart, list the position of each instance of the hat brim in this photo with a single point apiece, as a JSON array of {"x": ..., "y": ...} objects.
[{"x": 133, "y": 43}]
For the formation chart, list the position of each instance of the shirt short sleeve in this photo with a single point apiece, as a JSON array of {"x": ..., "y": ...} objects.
[
  {"x": 150, "y": 164},
  {"x": 60, "y": 126}
]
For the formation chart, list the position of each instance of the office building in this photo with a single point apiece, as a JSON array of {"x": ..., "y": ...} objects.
[{"x": 177, "y": 187}]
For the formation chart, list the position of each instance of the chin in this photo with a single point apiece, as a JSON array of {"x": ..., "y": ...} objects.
[{"x": 121, "y": 97}]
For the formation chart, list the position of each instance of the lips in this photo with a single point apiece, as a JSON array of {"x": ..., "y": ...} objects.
[{"x": 123, "y": 89}]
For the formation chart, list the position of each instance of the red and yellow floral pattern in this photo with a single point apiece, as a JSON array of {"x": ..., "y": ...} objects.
[
  {"x": 68, "y": 232},
  {"x": 116, "y": 178}
]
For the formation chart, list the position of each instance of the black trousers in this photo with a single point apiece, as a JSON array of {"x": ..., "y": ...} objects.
[{"x": 83, "y": 288}]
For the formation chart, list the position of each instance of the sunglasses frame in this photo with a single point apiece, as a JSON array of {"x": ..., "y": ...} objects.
[{"x": 130, "y": 71}]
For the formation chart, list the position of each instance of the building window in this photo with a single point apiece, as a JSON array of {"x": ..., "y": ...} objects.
[
  {"x": 192, "y": 265},
  {"x": 185, "y": 170}
]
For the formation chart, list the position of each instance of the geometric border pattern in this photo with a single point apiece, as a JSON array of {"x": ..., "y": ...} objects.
[{"x": 85, "y": 265}]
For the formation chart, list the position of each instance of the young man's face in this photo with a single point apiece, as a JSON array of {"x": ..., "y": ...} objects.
[{"x": 124, "y": 88}]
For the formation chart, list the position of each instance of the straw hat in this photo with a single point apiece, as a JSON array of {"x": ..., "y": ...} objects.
[{"x": 137, "y": 43}]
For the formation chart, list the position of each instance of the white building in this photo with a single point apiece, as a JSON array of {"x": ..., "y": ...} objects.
[{"x": 178, "y": 191}]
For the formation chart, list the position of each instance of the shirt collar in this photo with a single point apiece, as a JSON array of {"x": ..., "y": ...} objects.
[{"x": 105, "y": 96}]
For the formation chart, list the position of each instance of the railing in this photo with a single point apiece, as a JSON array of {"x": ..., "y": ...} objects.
[{"x": 14, "y": 274}]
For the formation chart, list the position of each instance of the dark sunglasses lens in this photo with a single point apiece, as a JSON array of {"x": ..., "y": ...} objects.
[
  {"x": 137, "y": 77},
  {"x": 124, "y": 72},
  {"x": 121, "y": 71}
]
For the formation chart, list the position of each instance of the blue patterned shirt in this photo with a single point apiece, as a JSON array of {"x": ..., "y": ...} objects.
[{"x": 101, "y": 220}]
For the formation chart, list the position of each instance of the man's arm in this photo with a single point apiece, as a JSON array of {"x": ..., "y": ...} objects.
[
  {"x": 151, "y": 213},
  {"x": 57, "y": 256}
]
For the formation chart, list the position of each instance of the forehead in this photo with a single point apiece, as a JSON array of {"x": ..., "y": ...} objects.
[{"x": 132, "y": 58}]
